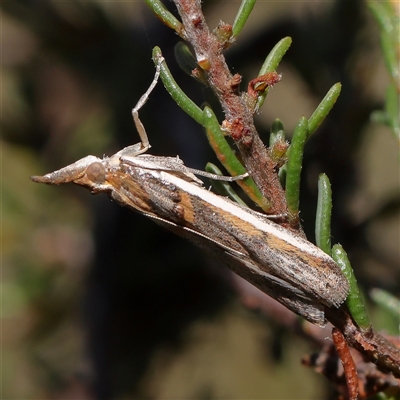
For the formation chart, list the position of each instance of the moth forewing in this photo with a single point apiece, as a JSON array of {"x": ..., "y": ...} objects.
[
  {"x": 291, "y": 297},
  {"x": 272, "y": 248},
  {"x": 304, "y": 266}
]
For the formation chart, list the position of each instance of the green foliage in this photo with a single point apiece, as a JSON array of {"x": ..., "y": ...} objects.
[
  {"x": 271, "y": 63},
  {"x": 241, "y": 17},
  {"x": 294, "y": 167},
  {"x": 387, "y": 301},
  {"x": 324, "y": 211},
  {"x": 323, "y": 108},
  {"x": 175, "y": 91},
  {"x": 165, "y": 16},
  {"x": 388, "y": 21},
  {"x": 354, "y": 301}
]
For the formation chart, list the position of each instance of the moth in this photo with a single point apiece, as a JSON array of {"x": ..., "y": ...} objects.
[{"x": 279, "y": 262}]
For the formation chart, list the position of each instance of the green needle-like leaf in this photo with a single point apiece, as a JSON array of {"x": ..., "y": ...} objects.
[
  {"x": 185, "y": 58},
  {"x": 165, "y": 16},
  {"x": 294, "y": 166},
  {"x": 275, "y": 56},
  {"x": 175, "y": 91},
  {"x": 354, "y": 300},
  {"x": 283, "y": 175},
  {"x": 323, "y": 108},
  {"x": 390, "y": 56},
  {"x": 388, "y": 21},
  {"x": 387, "y": 301},
  {"x": 324, "y": 211},
  {"x": 277, "y": 133},
  {"x": 241, "y": 17},
  {"x": 220, "y": 145},
  {"x": 382, "y": 12},
  {"x": 392, "y": 109},
  {"x": 271, "y": 64},
  {"x": 221, "y": 187}
]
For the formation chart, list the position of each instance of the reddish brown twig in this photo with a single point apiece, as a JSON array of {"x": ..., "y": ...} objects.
[
  {"x": 349, "y": 367},
  {"x": 239, "y": 116},
  {"x": 372, "y": 345},
  {"x": 371, "y": 380}
]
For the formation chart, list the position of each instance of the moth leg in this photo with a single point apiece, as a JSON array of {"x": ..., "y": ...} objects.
[
  {"x": 216, "y": 177},
  {"x": 145, "y": 145}
]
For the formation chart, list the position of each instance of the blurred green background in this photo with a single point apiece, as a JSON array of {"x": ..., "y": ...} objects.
[{"x": 100, "y": 303}]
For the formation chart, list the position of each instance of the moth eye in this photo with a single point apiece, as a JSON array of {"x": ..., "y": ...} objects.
[{"x": 96, "y": 172}]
